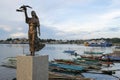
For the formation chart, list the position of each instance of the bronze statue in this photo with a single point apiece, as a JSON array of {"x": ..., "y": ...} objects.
[{"x": 34, "y": 30}]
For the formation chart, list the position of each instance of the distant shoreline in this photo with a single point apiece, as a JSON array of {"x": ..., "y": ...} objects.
[
  {"x": 114, "y": 44},
  {"x": 114, "y": 41}
]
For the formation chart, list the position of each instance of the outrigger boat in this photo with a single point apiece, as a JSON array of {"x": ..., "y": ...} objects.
[
  {"x": 115, "y": 56},
  {"x": 66, "y": 68},
  {"x": 87, "y": 64},
  {"x": 92, "y": 52}
]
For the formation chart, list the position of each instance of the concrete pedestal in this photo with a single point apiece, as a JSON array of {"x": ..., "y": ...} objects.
[{"x": 32, "y": 67}]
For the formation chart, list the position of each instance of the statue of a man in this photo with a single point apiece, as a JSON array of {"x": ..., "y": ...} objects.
[{"x": 34, "y": 28}]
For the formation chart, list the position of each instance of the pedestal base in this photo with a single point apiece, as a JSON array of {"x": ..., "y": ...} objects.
[{"x": 32, "y": 67}]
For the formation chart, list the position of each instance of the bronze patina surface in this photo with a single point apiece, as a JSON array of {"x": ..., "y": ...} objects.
[{"x": 34, "y": 30}]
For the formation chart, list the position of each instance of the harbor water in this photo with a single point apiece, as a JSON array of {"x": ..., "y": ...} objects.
[{"x": 55, "y": 51}]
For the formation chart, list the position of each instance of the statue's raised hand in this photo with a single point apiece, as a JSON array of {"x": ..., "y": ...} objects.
[{"x": 23, "y": 8}]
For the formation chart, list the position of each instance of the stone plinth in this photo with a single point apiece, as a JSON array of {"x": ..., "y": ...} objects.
[{"x": 32, "y": 67}]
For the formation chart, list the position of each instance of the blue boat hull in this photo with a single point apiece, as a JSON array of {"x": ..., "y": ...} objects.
[
  {"x": 101, "y": 45},
  {"x": 112, "y": 58}
]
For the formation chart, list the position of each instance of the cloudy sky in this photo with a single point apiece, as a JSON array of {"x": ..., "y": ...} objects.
[{"x": 63, "y": 19}]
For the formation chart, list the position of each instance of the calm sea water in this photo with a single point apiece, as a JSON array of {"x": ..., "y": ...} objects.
[{"x": 55, "y": 51}]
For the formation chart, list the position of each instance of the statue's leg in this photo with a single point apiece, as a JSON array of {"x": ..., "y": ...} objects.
[
  {"x": 33, "y": 45},
  {"x": 30, "y": 43},
  {"x": 29, "y": 39}
]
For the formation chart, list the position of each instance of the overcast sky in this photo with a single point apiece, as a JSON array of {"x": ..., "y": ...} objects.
[{"x": 63, "y": 19}]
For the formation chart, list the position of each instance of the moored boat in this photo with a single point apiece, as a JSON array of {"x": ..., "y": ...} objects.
[
  {"x": 66, "y": 68},
  {"x": 115, "y": 56},
  {"x": 111, "y": 58},
  {"x": 69, "y": 51},
  {"x": 98, "y": 43},
  {"x": 92, "y": 52}
]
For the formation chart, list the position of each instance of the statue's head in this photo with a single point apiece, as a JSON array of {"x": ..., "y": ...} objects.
[{"x": 33, "y": 14}]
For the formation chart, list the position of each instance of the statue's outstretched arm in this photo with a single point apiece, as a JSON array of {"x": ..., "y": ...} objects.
[
  {"x": 26, "y": 16},
  {"x": 24, "y": 9}
]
